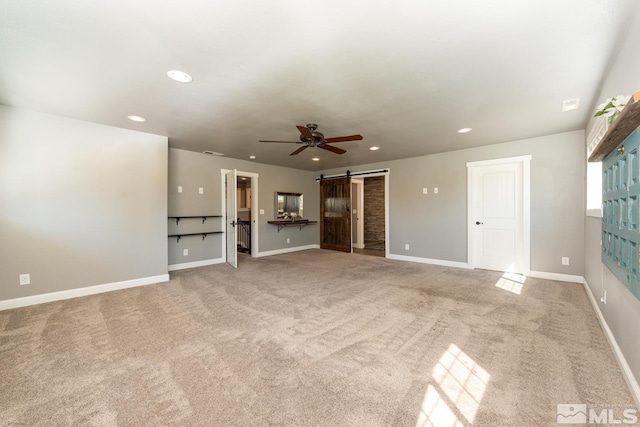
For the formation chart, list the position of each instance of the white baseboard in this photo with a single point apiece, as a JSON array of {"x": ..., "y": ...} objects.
[
  {"x": 420, "y": 260},
  {"x": 627, "y": 373},
  {"x": 174, "y": 267},
  {"x": 80, "y": 292},
  {"x": 557, "y": 276},
  {"x": 287, "y": 250}
]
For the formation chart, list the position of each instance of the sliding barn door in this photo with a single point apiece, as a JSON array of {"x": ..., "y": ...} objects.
[{"x": 335, "y": 214}]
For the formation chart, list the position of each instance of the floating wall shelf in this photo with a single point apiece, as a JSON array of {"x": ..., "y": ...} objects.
[
  {"x": 620, "y": 129},
  {"x": 300, "y": 223},
  {"x": 204, "y": 234},
  {"x": 204, "y": 217}
]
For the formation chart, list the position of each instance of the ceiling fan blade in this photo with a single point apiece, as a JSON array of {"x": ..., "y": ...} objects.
[
  {"x": 344, "y": 138},
  {"x": 284, "y": 142},
  {"x": 298, "y": 150},
  {"x": 332, "y": 149},
  {"x": 305, "y": 131}
]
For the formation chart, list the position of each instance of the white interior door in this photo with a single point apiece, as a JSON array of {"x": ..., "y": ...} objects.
[
  {"x": 231, "y": 215},
  {"x": 498, "y": 238}
]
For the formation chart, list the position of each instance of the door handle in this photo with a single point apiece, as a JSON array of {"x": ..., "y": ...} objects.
[
  {"x": 233, "y": 223},
  {"x": 479, "y": 223}
]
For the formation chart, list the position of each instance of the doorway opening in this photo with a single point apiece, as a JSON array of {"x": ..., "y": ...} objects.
[
  {"x": 354, "y": 212},
  {"x": 243, "y": 201},
  {"x": 369, "y": 207},
  {"x": 240, "y": 202}
]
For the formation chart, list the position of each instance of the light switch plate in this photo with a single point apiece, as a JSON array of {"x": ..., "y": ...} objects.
[
  {"x": 435, "y": 190},
  {"x": 261, "y": 211},
  {"x": 179, "y": 189},
  {"x": 425, "y": 190},
  {"x": 201, "y": 190}
]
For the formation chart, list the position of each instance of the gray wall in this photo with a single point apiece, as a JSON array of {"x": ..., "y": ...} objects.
[
  {"x": 435, "y": 225},
  {"x": 81, "y": 204},
  {"x": 192, "y": 170},
  {"x": 622, "y": 311}
]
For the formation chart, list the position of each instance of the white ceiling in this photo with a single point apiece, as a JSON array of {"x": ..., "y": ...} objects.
[{"x": 405, "y": 75}]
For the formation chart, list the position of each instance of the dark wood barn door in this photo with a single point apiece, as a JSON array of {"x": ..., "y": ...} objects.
[{"x": 335, "y": 214}]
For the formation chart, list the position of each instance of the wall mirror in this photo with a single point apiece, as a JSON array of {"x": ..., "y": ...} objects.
[{"x": 289, "y": 205}]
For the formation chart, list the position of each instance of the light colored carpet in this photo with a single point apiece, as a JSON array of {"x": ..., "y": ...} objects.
[{"x": 309, "y": 338}]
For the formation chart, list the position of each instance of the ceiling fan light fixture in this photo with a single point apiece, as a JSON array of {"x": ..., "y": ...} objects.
[
  {"x": 464, "y": 130},
  {"x": 179, "y": 76},
  {"x": 136, "y": 118}
]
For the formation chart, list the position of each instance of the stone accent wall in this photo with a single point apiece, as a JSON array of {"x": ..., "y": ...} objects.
[{"x": 374, "y": 213}]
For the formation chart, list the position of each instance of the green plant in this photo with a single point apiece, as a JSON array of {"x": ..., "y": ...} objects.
[{"x": 612, "y": 106}]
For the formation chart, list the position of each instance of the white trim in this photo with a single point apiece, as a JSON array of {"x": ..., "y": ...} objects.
[
  {"x": 556, "y": 276},
  {"x": 526, "y": 206},
  {"x": 223, "y": 204},
  {"x": 359, "y": 182},
  {"x": 254, "y": 209},
  {"x": 387, "y": 237},
  {"x": 517, "y": 159},
  {"x": 420, "y": 260},
  {"x": 595, "y": 213},
  {"x": 627, "y": 373},
  {"x": 81, "y": 292},
  {"x": 184, "y": 265},
  {"x": 287, "y": 250}
]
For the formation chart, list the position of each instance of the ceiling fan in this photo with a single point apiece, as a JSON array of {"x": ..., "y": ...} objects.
[{"x": 310, "y": 137}]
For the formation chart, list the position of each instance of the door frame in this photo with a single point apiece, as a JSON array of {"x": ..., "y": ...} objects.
[
  {"x": 359, "y": 183},
  {"x": 254, "y": 210},
  {"x": 472, "y": 169}
]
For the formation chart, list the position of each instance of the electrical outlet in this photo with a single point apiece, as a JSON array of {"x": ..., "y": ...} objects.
[
  {"x": 25, "y": 279},
  {"x": 406, "y": 246},
  {"x": 288, "y": 240},
  {"x": 185, "y": 252},
  {"x": 565, "y": 260}
]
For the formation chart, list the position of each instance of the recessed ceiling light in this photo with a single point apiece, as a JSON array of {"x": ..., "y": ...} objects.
[
  {"x": 464, "y": 130},
  {"x": 243, "y": 178},
  {"x": 315, "y": 159},
  {"x": 570, "y": 104},
  {"x": 136, "y": 118},
  {"x": 252, "y": 157},
  {"x": 374, "y": 148},
  {"x": 179, "y": 76},
  {"x": 212, "y": 153}
]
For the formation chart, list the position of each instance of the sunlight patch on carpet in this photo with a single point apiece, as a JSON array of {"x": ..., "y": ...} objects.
[
  {"x": 435, "y": 412},
  {"x": 462, "y": 380},
  {"x": 511, "y": 282}
]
